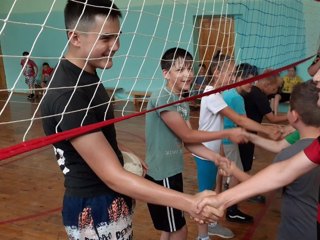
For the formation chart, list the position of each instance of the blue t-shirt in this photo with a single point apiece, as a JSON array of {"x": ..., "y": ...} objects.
[{"x": 235, "y": 101}]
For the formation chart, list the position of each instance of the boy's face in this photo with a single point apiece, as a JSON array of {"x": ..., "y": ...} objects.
[
  {"x": 225, "y": 75},
  {"x": 271, "y": 89},
  {"x": 180, "y": 75},
  {"x": 246, "y": 88},
  {"x": 100, "y": 43},
  {"x": 291, "y": 72}
]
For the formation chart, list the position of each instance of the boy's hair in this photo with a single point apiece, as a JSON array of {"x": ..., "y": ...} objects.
[
  {"x": 45, "y": 64},
  {"x": 218, "y": 61},
  {"x": 303, "y": 100},
  {"x": 25, "y": 53},
  {"x": 244, "y": 70},
  {"x": 88, "y": 10},
  {"x": 172, "y": 54}
]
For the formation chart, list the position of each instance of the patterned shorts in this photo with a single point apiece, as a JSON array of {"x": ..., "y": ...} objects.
[
  {"x": 103, "y": 217},
  {"x": 30, "y": 80}
]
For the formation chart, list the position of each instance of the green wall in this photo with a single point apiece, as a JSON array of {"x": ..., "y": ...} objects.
[{"x": 145, "y": 37}]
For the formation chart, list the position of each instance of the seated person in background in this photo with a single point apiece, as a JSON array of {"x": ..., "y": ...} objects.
[
  {"x": 46, "y": 72},
  {"x": 289, "y": 81}
]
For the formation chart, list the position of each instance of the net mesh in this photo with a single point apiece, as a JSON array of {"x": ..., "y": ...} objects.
[{"x": 267, "y": 34}]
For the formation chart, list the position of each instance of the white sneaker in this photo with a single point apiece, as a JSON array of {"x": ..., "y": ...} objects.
[
  {"x": 205, "y": 238},
  {"x": 214, "y": 229}
]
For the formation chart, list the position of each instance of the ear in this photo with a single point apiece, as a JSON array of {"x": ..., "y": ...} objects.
[
  {"x": 74, "y": 38},
  {"x": 165, "y": 73},
  {"x": 295, "y": 116}
]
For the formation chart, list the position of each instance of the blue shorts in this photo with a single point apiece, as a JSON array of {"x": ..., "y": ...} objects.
[
  {"x": 102, "y": 217},
  {"x": 206, "y": 174}
]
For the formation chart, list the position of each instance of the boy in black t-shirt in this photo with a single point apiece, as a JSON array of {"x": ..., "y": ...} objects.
[{"x": 94, "y": 205}]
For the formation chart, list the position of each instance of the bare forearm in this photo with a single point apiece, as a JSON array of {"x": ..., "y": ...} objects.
[
  {"x": 312, "y": 70},
  {"x": 202, "y": 151},
  {"x": 274, "y": 176},
  {"x": 196, "y": 136},
  {"x": 270, "y": 145},
  {"x": 251, "y": 125},
  {"x": 147, "y": 191}
]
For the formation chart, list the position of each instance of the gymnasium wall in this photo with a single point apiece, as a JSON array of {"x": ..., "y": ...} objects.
[{"x": 16, "y": 38}]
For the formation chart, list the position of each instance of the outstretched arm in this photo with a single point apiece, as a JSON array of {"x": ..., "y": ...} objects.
[
  {"x": 179, "y": 126},
  {"x": 103, "y": 161},
  {"x": 274, "y": 176},
  {"x": 272, "y": 131},
  {"x": 270, "y": 145}
]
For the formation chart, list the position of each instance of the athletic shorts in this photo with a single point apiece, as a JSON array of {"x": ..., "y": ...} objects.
[
  {"x": 206, "y": 174},
  {"x": 30, "y": 80},
  {"x": 165, "y": 218},
  {"x": 232, "y": 153},
  {"x": 102, "y": 217}
]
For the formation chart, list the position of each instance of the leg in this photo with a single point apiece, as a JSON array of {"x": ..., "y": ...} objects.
[
  {"x": 97, "y": 217},
  {"x": 169, "y": 221},
  {"x": 234, "y": 214}
]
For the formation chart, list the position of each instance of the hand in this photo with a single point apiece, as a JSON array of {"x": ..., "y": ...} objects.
[
  {"x": 274, "y": 132},
  {"x": 226, "y": 168},
  {"x": 286, "y": 130},
  {"x": 211, "y": 201},
  {"x": 205, "y": 214},
  {"x": 238, "y": 135}
]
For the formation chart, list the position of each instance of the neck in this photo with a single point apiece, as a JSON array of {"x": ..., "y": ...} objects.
[
  {"x": 78, "y": 61},
  {"x": 308, "y": 131}
]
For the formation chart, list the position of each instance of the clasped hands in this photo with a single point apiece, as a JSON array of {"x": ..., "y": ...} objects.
[{"x": 208, "y": 206}]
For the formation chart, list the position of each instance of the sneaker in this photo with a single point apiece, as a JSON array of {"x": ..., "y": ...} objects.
[
  {"x": 235, "y": 215},
  {"x": 31, "y": 96},
  {"x": 215, "y": 229},
  {"x": 258, "y": 199},
  {"x": 204, "y": 238}
]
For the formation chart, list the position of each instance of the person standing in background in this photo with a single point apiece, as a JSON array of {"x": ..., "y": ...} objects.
[{"x": 30, "y": 72}]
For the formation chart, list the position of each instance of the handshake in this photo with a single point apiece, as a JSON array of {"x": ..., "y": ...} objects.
[{"x": 208, "y": 206}]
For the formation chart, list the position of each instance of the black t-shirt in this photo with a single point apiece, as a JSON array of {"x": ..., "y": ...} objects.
[
  {"x": 257, "y": 104},
  {"x": 59, "y": 103}
]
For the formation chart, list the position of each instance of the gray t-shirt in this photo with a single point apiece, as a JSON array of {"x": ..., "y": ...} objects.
[
  {"x": 299, "y": 201},
  {"x": 164, "y": 149}
]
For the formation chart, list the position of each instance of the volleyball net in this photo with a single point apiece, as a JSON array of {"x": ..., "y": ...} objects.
[{"x": 266, "y": 34}]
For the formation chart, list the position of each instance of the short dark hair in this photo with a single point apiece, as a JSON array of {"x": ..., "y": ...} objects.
[
  {"x": 172, "y": 54},
  {"x": 244, "y": 70},
  {"x": 87, "y": 10},
  {"x": 45, "y": 64},
  {"x": 25, "y": 53},
  {"x": 303, "y": 100}
]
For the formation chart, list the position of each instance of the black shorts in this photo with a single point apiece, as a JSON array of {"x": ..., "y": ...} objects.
[
  {"x": 166, "y": 218},
  {"x": 285, "y": 97}
]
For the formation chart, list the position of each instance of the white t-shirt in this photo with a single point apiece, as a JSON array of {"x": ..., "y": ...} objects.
[{"x": 210, "y": 119}]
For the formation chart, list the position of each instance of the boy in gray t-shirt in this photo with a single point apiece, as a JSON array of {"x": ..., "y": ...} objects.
[
  {"x": 299, "y": 203},
  {"x": 168, "y": 130}
]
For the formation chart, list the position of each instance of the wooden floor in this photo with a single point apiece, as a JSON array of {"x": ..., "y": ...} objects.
[{"x": 31, "y": 186}]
